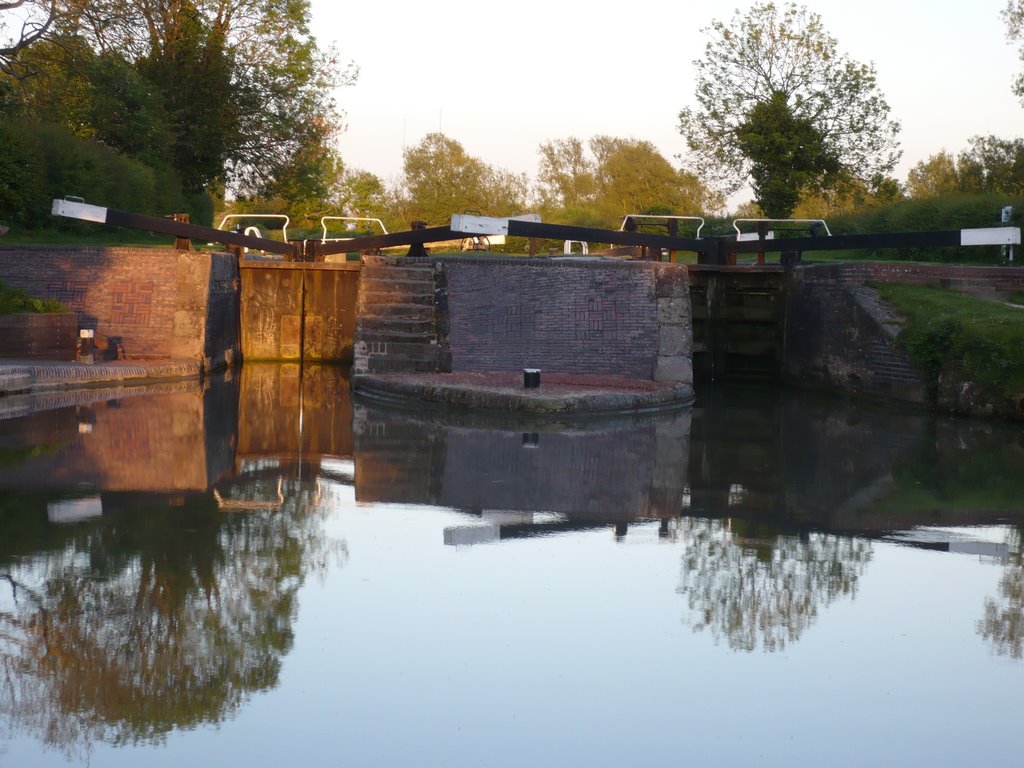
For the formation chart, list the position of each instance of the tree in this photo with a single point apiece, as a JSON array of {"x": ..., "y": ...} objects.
[
  {"x": 787, "y": 156},
  {"x": 936, "y": 176},
  {"x": 778, "y": 70},
  {"x": 1013, "y": 15},
  {"x": 440, "y": 178},
  {"x": 618, "y": 177},
  {"x": 992, "y": 164},
  {"x": 240, "y": 87},
  {"x": 22, "y": 23}
]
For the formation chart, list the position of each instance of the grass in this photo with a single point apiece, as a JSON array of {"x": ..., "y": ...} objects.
[
  {"x": 981, "y": 341},
  {"x": 14, "y": 301}
]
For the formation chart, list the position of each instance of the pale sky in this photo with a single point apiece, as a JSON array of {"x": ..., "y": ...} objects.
[{"x": 503, "y": 78}]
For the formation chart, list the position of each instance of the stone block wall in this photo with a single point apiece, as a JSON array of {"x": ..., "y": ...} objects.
[{"x": 141, "y": 302}]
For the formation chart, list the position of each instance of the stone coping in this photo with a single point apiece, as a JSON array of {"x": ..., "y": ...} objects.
[
  {"x": 559, "y": 394},
  {"x": 41, "y": 376}
]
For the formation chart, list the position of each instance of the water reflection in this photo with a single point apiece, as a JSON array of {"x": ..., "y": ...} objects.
[
  {"x": 131, "y": 611},
  {"x": 1002, "y": 622},
  {"x": 763, "y": 592},
  {"x": 153, "y": 546},
  {"x": 527, "y": 477}
]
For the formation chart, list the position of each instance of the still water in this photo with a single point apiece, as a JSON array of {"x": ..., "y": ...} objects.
[{"x": 259, "y": 572}]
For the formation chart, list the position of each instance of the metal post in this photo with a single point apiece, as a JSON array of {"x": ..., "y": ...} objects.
[{"x": 417, "y": 249}]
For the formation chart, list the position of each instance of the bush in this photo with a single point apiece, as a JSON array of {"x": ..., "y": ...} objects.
[
  {"x": 14, "y": 301},
  {"x": 41, "y": 162},
  {"x": 961, "y": 211}
]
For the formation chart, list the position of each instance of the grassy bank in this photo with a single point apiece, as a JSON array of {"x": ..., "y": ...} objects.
[{"x": 949, "y": 333}]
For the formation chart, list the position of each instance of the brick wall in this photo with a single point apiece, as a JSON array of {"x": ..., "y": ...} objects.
[
  {"x": 995, "y": 278},
  {"x": 144, "y": 302},
  {"x": 842, "y": 337},
  {"x": 567, "y": 316}
]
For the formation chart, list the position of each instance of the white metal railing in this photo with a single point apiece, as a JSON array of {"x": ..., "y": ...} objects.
[
  {"x": 353, "y": 220},
  {"x": 254, "y": 231}
]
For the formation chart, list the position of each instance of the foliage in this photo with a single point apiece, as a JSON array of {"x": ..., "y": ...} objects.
[
  {"x": 990, "y": 164},
  {"x": 14, "y": 301},
  {"x": 787, "y": 154},
  {"x": 951, "y": 332},
  {"x": 440, "y": 178},
  {"x": 937, "y": 175},
  {"x": 43, "y": 162},
  {"x": 618, "y": 177},
  {"x": 233, "y": 94},
  {"x": 926, "y": 214},
  {"x": 1013, "y": 15},
  {"x": 784, "y": 56}
]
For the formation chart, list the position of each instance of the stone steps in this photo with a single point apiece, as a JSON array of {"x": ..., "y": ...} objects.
[{"x": 396, "y": 329}]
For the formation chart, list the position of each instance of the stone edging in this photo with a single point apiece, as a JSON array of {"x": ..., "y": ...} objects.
[{"x": 535, "y": 402}]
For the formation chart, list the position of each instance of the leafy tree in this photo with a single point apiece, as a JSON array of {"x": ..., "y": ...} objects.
[
  {"x": 992, "y": 164},
  {"x": 440, "y": 178},
  {"x": 229, "y": 93},
  {"x": 770, "y": 58},
  {"x": 617, "y": 177},
  {"x": 566, "y": 177},
  {"x": 1013, "y": 15},
  {"x": 936, "y": 176},
  {"x": 787, "y": 155}
]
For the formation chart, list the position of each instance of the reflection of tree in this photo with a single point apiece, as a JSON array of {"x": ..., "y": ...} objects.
[
  {"x": 155, "y": 620},
  {"x": 763, "y": 591},
  {"x": 1003, "y": 621}
]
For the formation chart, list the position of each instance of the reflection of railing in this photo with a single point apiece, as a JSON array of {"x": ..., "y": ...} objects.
[{"x": 239, "y": 505}]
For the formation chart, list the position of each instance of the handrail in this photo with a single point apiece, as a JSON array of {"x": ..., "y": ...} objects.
[
  {"x": 284, "y": 227},
  {"x": 622, "y": 227},
  {"x": 325, "y": 219},
  {"x": 736, "y": 222}
]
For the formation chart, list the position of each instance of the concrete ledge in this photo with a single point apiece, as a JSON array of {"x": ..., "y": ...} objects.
[
  {"x": 558, "y": 395},
  {"x": 17, "y": 376}
]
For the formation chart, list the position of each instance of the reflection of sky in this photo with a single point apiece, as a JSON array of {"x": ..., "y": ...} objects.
[{"x": 573, "y": 649}]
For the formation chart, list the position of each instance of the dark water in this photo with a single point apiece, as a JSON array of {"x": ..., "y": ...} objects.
[{"x": 256, "y": 572}]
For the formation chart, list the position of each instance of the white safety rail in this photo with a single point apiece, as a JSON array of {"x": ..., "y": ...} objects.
[
  {"x": 351, "y": 223},
  {"x": 254, "y": 231},
  {"x": 622, "y": 227},
  {"x": 742, "y": 236},
  {"x": 567, "y": 247}
]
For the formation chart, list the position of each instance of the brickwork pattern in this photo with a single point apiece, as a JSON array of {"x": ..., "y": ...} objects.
[
  {"x": 560, "y": 317},
  {"x": 141, "y": 302},
  {"x": 954, "y": 276},
  {"x": 841, "y": 336}
]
